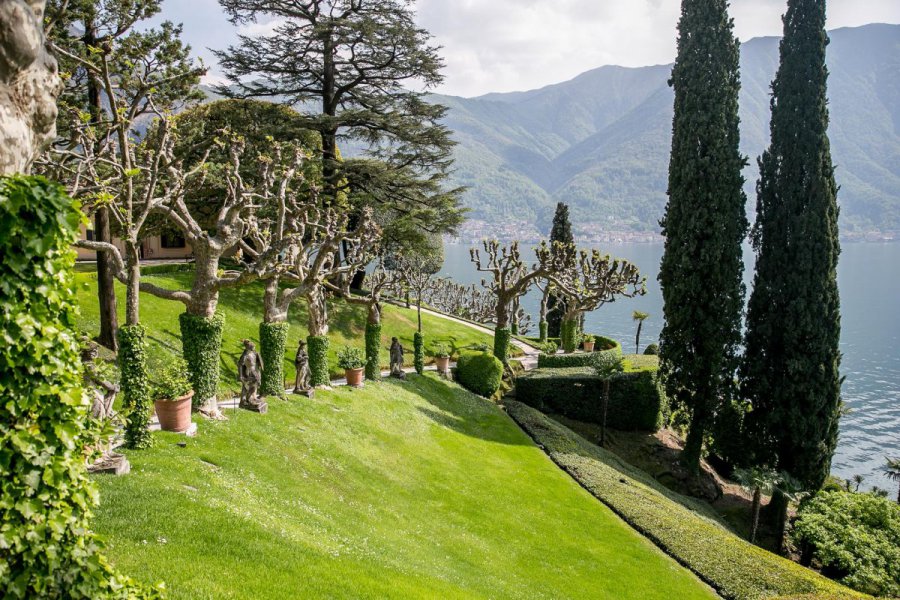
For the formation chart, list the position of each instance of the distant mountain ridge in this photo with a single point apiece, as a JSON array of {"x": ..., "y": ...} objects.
[{"x": 600, "y": 142}]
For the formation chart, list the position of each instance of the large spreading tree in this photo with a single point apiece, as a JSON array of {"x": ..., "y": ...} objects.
[
  {"x": 356, "y": 70},
  {"x": 704, "y": 223},
  {"x": 791, "y": 366}
]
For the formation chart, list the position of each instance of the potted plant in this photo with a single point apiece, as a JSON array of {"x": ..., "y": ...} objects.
[
  {"x": 352, "y": 362},
  {"x": 588, "y": 340},
  {"x": 442, "y": 357},
  {"x": 172, "y": 395}
]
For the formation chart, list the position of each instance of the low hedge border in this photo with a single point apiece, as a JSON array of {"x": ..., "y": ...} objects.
[
  {"x": 736, "y": 569},
  {"x": 636, "y": 400},
  {"x": 603, "y": 345}
]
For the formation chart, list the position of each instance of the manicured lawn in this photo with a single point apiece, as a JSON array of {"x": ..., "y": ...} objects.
[
  {"x": 243, "y": 311},
  {"x": 402, "y": 490}
]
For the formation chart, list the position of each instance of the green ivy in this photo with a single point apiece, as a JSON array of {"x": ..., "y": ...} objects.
[
  {"x": 542, "y": 328},
  {"x": 502, "y": 336},
  {"x": 317, "y": 347},
  {"x": 570, "y": 335},
  {"x": 272, "y": 346},
  {"x": 135, "y": 386},
  {"x": 46, "y": 497},
  {"x": 373, "y": 351},
  {"x": 201, "y": 342},
  {"x": 419, "y": 352}
]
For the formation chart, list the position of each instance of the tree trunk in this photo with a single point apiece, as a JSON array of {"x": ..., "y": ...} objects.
[
  {"x": 132, "y": 288},
  {"x": 693, "y": 447},
  {"x": 204, "y": 292},
  {"x": 419, "y": 311},
  {"x": 637, "y": 338},
  {"x": 373, "y": 342},
  {"x": 754, "y": 514},
  {"x": 106, "y": 291}
]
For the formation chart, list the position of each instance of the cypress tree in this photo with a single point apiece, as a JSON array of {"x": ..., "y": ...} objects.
[
  {"x": 790, "y": 373},
  {"x": 561, "y": 232},
  {"x": 705, "y": 223}
]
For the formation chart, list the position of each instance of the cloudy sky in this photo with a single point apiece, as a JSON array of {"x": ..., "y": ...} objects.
[{"x": 507, "y": 45}]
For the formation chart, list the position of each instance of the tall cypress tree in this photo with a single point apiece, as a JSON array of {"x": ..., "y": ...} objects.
[
  {"x": 705, "y": 222},
  {"x": 561, "y": 232},
  {"x": 791, "y": 366}
]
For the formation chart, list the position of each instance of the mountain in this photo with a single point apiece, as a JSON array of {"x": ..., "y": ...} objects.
[{"x": 600, "y": 141}]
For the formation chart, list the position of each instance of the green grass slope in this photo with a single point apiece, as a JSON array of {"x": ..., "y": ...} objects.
[
  {"x": 684, "y": 527},
  {"x": 398, "y": 490},
  {"x": 243, "y": 309}
]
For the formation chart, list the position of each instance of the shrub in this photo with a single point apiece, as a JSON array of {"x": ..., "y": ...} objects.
[
  {"x": 549, "y": 348},
  {"x": 135, "y": 386},
  {"x": 317, "y": 346},
  {"x": 373, "y": 351},
  {"x": 174, "y": 382},
  {"x": 350, "y": 358},
  {"x": 201, "y": 342},
  {"x": 636, "y": 399},
  {"x": 588, "y": 338},
  {"x": 856, "y": 537},
  {"x": 46, "y": 498},
  {"x": 480, "y": 373},
  {"x": 684, "y": 528},
  {"x": 419, "y": 352},
  {"x": 441, "y": 350},
  {"x": 652, "y": 350},
  {"x": 502, "y": 336},
  {"x": 272, "y": 346}
]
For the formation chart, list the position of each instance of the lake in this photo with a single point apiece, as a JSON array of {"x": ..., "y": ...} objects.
[{"x": 869, "y": 279}]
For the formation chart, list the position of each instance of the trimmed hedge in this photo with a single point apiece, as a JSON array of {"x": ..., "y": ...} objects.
[
  {"x": 201, "y": 343},
  {"x": 684, "y": 528},
  {"x": 317, "y": 347},
  {"x": 636, "y": 400},
  {"x": 604, "y": 345},
  {"x": 480, "y": 373},
  {"x": 419, "y": 352},
  {"x": 502, "y": 336},
  {"x": 135, "y": 381},
  {"x": 46, "y": 498},
  {"x": 373, "y": 351},
  {"x": 272, "y": 346}
]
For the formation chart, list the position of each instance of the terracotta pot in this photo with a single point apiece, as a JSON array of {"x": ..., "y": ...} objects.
[
  {"x": 443, "y": 363},
  {"x": 589, "y": 346},
  {"x": 354, "y": 377},
  {"x": 174, "y": 415}
]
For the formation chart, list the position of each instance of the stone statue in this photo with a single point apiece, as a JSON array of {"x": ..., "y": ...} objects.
[
  {"x": 103, "y": 394},
  {"x": 250, "y": 366},
  {"x": 29, "y": 84},
  {"x": 397, "y": 359},
  {"x": 301, "y": 361}
]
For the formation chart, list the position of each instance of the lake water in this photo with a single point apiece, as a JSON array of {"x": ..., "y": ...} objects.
[{"x": 869, "y": 279}]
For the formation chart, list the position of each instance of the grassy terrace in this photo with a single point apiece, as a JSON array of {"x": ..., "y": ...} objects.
[
  {"x": 407, "y": 490},
  {"x": 243, "y": 312}
]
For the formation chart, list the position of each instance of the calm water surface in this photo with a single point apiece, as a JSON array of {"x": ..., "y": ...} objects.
[{"x": 869, "y": 279}]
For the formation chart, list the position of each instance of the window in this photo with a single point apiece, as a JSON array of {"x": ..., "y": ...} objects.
[
  {"x": 171, "y": 240},
  {"x": 89, "y": 235}
]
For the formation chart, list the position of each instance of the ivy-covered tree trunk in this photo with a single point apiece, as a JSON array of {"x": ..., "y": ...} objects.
[
  {"x": 701, "y": 274},
  {"x": 569, "y": 334},
  {"x": 542, "y": 329},
  {"x": 135, "y": 386},
  {"x": 791, "y": 369},
  {"x": 201, "y": 341},
  {"x": 419, "y": 352},
  {"x": 273, "y": 332},
  {"x": 502, "y": 333},
  {"x": 373, "y": 343},
  {"x": 317, "y": 341}
]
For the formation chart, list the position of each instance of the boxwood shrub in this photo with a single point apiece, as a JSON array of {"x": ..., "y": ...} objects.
[
  {"x": 603, "y": 345},
  {"x": 636, "y": 399},
  {"x": 201, "y": 342},
  {"x": 272, "y": 346},
  {"x": 419, "y": 352},
  {"x": 480, "y": 373}
]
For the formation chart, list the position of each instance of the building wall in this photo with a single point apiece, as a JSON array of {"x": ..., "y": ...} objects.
[{"x": 151, "y": 249}]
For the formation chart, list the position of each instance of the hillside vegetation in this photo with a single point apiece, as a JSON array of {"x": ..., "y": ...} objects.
[{"x": 397, "y": 490}]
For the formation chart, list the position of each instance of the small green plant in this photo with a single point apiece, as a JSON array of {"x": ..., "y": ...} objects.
[
  {"x": 479, "y": 347},
  {"x": 549, "y": 348},
  {"x": 174, "y": 382},
  {"x": 588, "y": 339},
  {"x": 350, "y": 358},
  {"x": 441, "y": 350}
]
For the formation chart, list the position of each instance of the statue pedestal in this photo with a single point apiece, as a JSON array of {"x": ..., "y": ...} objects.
[
  {"x": 112, "y": 463},
  {"x": 260, "y": 406},
  {"x": 308, "y": 393}
]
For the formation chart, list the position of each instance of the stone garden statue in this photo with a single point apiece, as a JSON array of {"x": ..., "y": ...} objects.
[
  {"x": 397, "y": 359},
  {"x": 103, "y": 395},
  {"x": 301, "y": 361},
  {"x": 250, "y": 366},
  {"x": 29, "y": 84}
]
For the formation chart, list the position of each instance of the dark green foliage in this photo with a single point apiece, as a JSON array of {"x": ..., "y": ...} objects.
[
  {"x": 652, "y": 350},
  {"x": 201, "y": 343},
  {"x": 502, "y": 336},
  {"x": 272, "y": 346},
  {"x": 46, "y": 497},
  {"x": 560, "y": 232},
  {"x": 705, "y": 222},
  {"x": 373, "y": 351},
  {"x": 135, "y": 385},
  {"x": 317, "y": 348},
  {"x": 856, "y": 538},
  {"x": 636, "y": 400},
  {"x": 542, "y": 331},
  {"x": 791, "y": 371},
  {"x": 684, "y": 528},
  {"x": 480, "y": 373},
  {"x": 173, "y": 382},
  {"x": 570, "y": 335},
  {"x": 419, "y": 352},
  {"x": 609, "y": 346}
]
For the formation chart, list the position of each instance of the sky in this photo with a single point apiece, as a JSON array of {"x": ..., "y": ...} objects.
[{"x": 511, "y": 45}]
